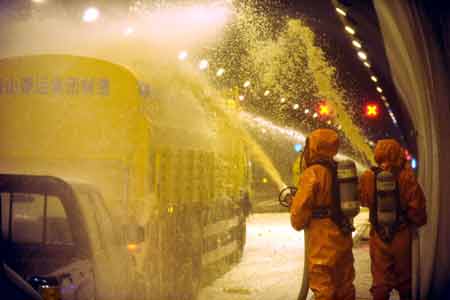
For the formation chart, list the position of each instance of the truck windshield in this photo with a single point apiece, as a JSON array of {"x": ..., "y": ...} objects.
[
  {"x": 30, "y": 218},
  {"x": 98, "y": 218}
]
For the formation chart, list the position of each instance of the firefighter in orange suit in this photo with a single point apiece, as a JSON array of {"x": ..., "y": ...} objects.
[
  {"x": 397, "y": 207},
  {"x": 330, "y": 243}
]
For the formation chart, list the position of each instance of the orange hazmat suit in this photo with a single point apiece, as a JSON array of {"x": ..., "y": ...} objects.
[
  {"x": 391, "y": 261},
  {"x": 330, "y": 257}
]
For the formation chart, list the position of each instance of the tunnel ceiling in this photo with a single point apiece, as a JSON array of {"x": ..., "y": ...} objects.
[{"x": 351, "y": 74}]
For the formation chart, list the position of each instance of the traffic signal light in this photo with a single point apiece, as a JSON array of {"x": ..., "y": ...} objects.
[
  {"x": 324, "y": 110},
  {"x": 371, "y": 110}
]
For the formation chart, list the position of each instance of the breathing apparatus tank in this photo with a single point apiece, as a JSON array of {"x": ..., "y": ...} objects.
[
  {"x": 348, "y": 189},
  {"x": 386, "y": 199}
]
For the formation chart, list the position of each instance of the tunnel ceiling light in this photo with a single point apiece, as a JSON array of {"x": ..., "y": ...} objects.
[
  {"x": 357, "y": 44},
  {"x": 247, "y": 84},
  {"x": 296, "y": 106},
  {"x": 241, "y": 97},
  {"x": 394, "y": 120},
  {"x": 329, "y": 122},
  {"x": 306, "y": 111},
  {"x": 203, "y": 64},
  {"x": 282, "y": 100},
  {"x": 350, "y": 30},
  {"x": 384, "y": 98},
  {"x": 91, "y": 14},
  {"x": 362, "y": 55},
  {"x": 341, "y": 11},
  {"x": 39, "y": 1},
  {"x": 366, "y": 64},
  {"x": 386, "y": 104},
  {"x": 128, "y": 31},
  {"x": 413, "y": 163},
  {"x": 315, "y": 115},
  {"x": 379, "y": 89},
  {"x": 220, "y": 72},
  {"x": 267, "y": 93},
  {"x": 374, "y": 78},
  {"x": 339, "y": 127},
  {"x": 183, "y": 55}
]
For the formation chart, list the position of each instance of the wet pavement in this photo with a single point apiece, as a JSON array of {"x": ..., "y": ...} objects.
[
  {"x": 270, "y": 267},
  {"x": 272, "y": 264}
]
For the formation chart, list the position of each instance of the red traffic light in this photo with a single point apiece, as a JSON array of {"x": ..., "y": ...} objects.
[
  {"x": 372, "y": 110},
  {"x": 324, "y": 110},
  {"x": 408, "y": 155}
]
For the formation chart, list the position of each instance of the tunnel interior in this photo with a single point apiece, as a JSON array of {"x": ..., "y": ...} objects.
[{"x": 188, "y": 118}]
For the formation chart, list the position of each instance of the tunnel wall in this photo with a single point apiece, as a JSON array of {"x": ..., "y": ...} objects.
[{"x": 421, "y": 78}]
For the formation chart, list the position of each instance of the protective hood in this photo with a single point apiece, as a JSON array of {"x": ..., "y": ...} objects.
[
  {"x": 323, "y": 144},
  {"x": 389, "y": 154}
]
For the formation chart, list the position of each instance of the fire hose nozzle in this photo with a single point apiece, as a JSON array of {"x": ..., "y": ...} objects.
[{"x": 286, "y": 195}]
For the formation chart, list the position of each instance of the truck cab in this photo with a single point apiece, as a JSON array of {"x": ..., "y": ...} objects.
[{"x": 59, "y": 235}]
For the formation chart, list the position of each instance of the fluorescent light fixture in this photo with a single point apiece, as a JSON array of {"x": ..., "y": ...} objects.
[
  {"x": 91, "y": 14},
  {"x": 182, "y": 55},
  {"x": 341, "y": 11},
  {"x": 350, "y": 30},
  {"x": 220, "y": 72},
  {"x": 362, "y": 55},
  {"x": 203, "y": 64},
  {"x": 128, "y": 31},
  {"x": 357, "y": 44}
]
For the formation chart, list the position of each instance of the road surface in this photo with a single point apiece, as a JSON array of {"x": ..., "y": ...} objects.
[
  {"x": 272, "y": 264},
  {"x": 270, "y": 267}
]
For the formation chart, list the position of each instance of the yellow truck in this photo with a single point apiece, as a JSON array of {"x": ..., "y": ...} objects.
[{"x": 87, "y": 174}]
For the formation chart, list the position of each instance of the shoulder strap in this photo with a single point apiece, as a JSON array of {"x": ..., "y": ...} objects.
[
  {"x": 336, "y": 214},
  {"x": 374, "y": 205}
]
